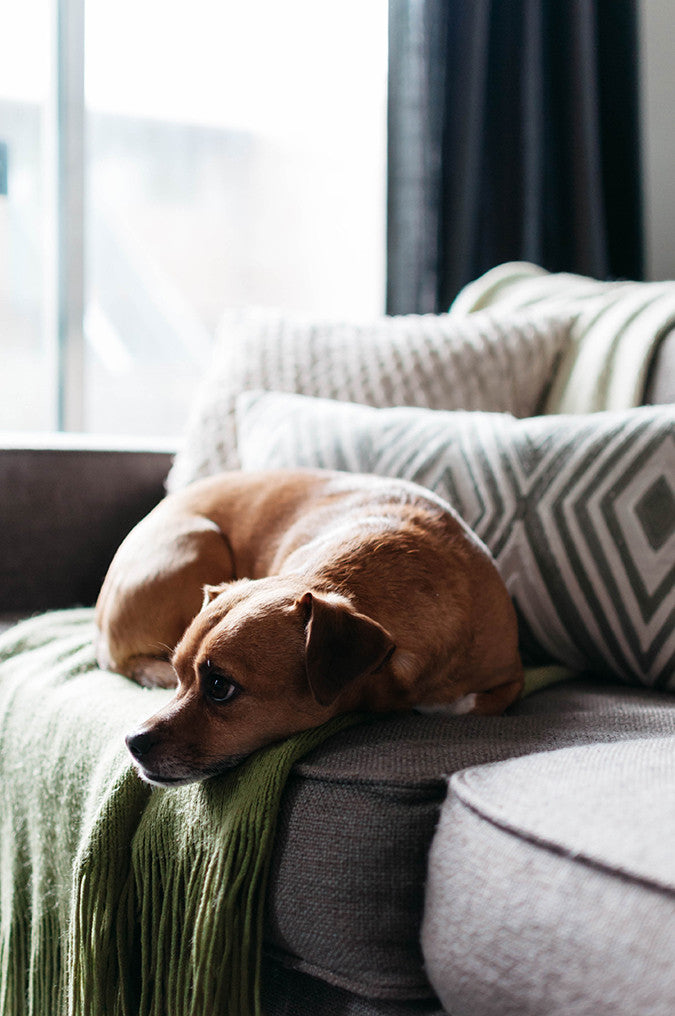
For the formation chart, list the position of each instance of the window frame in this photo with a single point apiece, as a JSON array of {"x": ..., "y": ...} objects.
[{"x": 66, "y": 178}]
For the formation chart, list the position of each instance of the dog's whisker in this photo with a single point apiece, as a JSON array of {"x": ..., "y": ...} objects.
[{"x": 163, "y": 645}]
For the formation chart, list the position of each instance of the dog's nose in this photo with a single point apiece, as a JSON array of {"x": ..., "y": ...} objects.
[{"x": 140, "y": 744}]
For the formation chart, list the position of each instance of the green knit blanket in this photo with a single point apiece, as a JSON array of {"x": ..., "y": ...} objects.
[{"x": 117, "y": 898}]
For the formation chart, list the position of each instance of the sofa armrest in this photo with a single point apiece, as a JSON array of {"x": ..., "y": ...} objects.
[{"x": 66, "y": 503}]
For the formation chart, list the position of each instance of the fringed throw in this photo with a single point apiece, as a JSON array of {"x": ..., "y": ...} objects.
[{"x": 115, "y": 898}]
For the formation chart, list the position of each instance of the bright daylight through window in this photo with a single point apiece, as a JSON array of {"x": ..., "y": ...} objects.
[{"x": 231, "y": 155}]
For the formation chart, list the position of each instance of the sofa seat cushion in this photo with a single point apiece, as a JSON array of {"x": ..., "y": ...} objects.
[
  {"x": 287, "y": 992},
  {"x": 358, "y": 815},
  {"x": 552, "y": 885}
]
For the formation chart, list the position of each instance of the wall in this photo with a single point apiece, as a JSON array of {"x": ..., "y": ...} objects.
[{"x": 657, "y": 27}]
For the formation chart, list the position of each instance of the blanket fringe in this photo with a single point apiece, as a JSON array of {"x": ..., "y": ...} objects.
[
  {"x": 169, "y": 895},
  {"x": 201, "y": 859}
]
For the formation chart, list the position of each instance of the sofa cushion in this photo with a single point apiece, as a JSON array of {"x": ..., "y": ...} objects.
[
  {"x": 488, "y": 362},
  {"x": 578, "y": 511},
  {"x": 551, "y": 885},
  {"x": 348, "y": 874},
  {"x": 287, "y": 992}
]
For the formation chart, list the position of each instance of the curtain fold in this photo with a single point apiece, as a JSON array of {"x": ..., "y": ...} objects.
[{"x": 513, "y": 134}]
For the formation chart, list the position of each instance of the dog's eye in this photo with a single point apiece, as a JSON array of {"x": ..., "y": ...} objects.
[{"x": 218, "y": 686}]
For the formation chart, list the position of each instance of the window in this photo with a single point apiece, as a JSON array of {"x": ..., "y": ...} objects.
[
  {"x": 232, "y": 154},
  {"x": 27, "y": 352}
]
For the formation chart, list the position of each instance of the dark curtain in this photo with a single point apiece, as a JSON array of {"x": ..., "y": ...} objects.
[{"x": 513, "y": 134}]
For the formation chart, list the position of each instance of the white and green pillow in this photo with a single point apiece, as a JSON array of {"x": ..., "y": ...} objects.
[{"x": 578, "y": 511}]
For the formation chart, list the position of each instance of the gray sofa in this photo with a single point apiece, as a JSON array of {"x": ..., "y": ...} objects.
[{"x": 521, "y": 864}]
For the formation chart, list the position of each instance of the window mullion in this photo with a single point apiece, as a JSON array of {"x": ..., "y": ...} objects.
[{"x": 69, "y": 212}]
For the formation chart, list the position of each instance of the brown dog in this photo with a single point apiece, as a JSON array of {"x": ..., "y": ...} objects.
[{"x": 282, "y": 599}]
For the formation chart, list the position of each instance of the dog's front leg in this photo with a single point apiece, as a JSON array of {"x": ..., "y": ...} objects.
[{"x": 153, "y": 590}]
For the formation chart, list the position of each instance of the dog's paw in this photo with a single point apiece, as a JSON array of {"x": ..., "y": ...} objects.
[
  {"x": 151, "y": 672},
  {"x": 460, "y": 707}
]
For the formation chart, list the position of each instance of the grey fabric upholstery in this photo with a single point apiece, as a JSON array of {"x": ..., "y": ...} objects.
[
  {"x": 286, "y": 992},
  {"x": 551, "y": 885},
  {"x": 349, "y": 871},
  {"x": 65, "y": 507}
]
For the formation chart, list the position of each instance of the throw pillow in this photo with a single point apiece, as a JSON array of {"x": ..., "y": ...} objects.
[
  {"x": 616, "y": 331},
  {"x": 502, "y": 363},
  {"x": 578, "y": 511}
]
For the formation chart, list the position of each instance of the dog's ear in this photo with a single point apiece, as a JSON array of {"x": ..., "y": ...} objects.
[
  {"x": 340, "y": 645},
  {"x": 210, "y": 593}
]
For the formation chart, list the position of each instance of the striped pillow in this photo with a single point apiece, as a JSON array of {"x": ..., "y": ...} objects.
[
  {"x": 578, "y": 511},
  {"x": 496, "y": 362}
]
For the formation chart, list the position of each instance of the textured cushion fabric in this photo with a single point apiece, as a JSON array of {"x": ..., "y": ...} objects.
[
  {"x": 578, "y": 511},
  {"x": 287, "y": 992},
  {"x": 617, "y": 329},
  {"x": 501, "y": 363},
  {"x": 68, "y": 502},
  {"x": 348, "y": 874},
  {"x": 661, "y": 379},
  {"x": 551, "y": 885}
]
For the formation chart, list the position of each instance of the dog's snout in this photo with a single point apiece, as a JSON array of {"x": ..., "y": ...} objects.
[{"x": 140, "y": 744}]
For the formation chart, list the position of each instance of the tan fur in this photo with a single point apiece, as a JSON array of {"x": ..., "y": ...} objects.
[{"x": 316, "y": 593}]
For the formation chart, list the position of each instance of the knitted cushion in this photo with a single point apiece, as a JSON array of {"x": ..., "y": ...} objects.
[
  {"x": 578, "y": 511},
  {"x": 502, "y": 363}
]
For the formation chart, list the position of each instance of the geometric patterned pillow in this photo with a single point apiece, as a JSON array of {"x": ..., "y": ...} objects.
[
  {"x": 578, "y": 511},
  {"x": 504, "y": 363}
]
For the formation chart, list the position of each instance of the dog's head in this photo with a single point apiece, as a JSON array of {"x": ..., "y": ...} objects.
[{"x": 262, "y": 660}]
